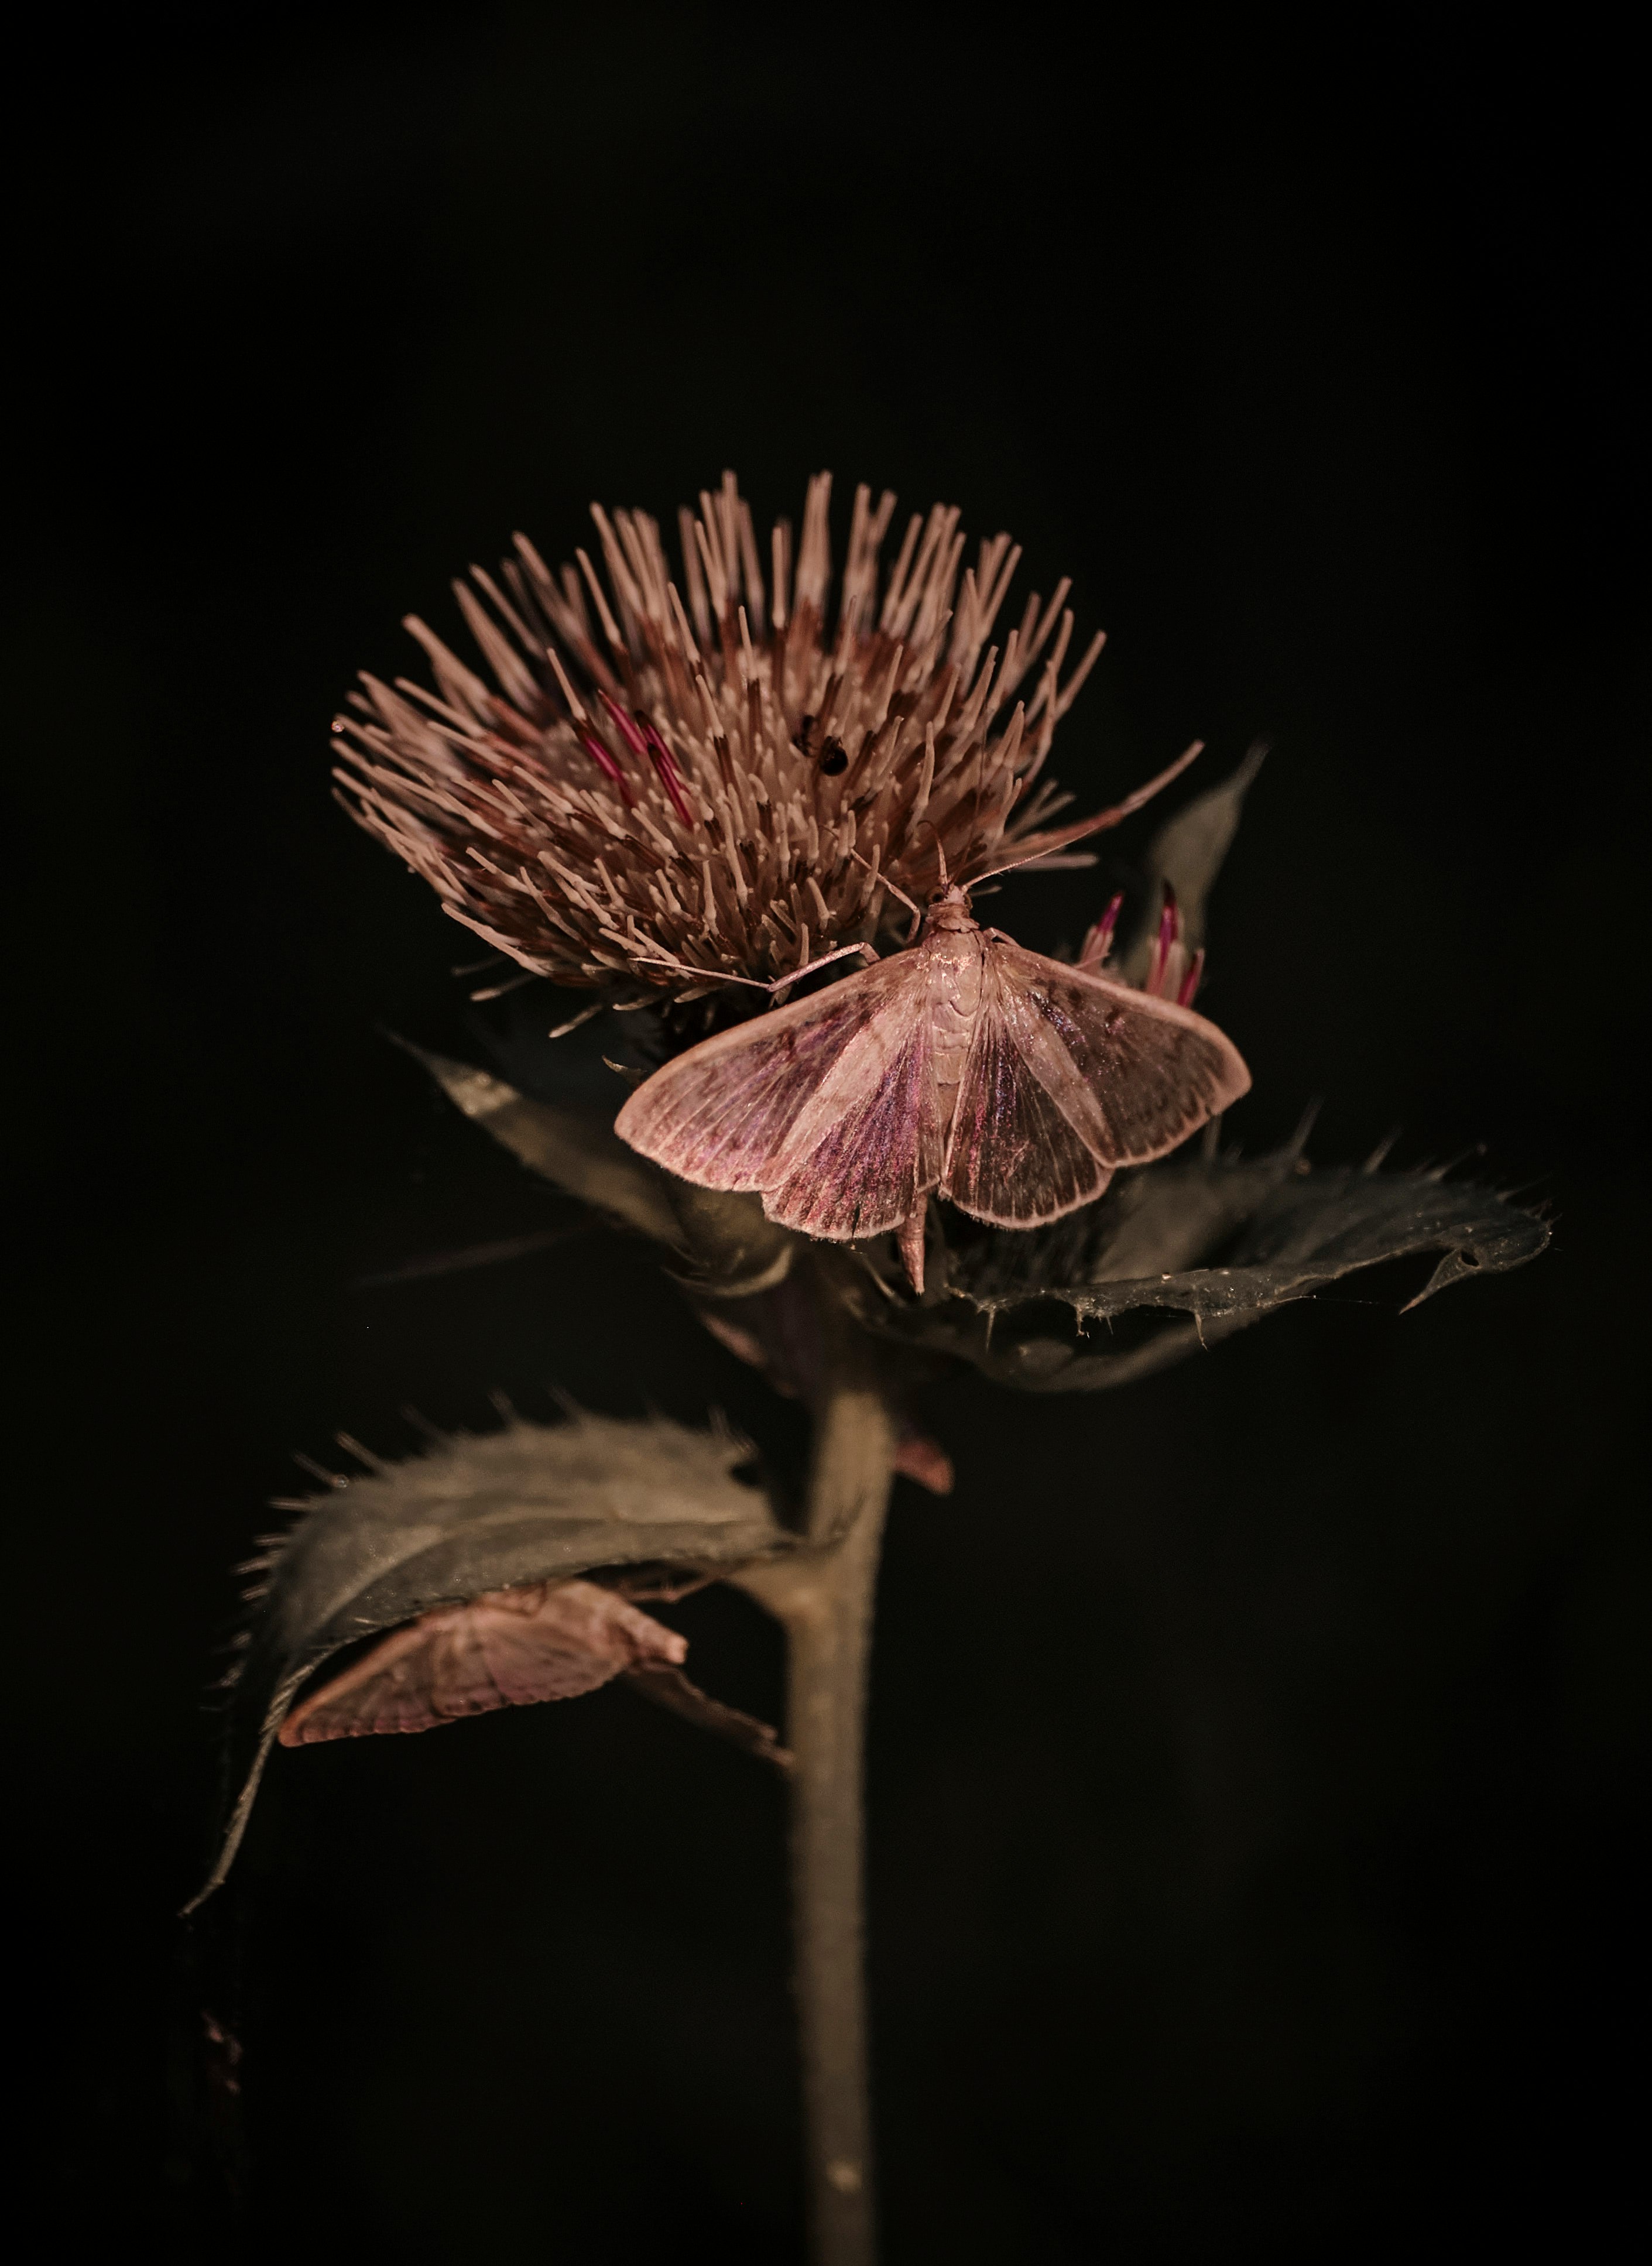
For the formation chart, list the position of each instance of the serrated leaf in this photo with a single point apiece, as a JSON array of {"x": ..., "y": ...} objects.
[
  {"x": 1179, "y": 1255},
  {"x": 529, "y": 1503}
]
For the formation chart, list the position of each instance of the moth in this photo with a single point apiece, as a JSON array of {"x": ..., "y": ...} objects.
[
  {"x": 1012, "y": 1085},
  {"x": 506, "y": 1649},
  {"x": 509, "y": 1649}
]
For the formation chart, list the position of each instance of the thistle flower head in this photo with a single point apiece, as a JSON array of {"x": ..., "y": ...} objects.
[{"x": 670, "y": 786}]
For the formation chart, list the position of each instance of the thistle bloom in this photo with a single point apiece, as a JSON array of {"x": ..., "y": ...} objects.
[{"x": 660, "y": 794}]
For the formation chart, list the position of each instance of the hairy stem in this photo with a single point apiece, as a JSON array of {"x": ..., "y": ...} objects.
[{"x": 824, "y": 1599}]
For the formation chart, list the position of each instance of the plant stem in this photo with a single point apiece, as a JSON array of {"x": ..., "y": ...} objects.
[
  {"x": 824, "y": 1600},
  {"x": 828, "y": 1657}
]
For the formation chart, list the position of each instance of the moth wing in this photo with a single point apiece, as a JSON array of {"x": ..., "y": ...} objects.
[
  {"x": 722, "y": 1114},
  {"x": 1071, "y": 1075},
  {"x": 1016, "y": 1157},
  {"x": 870, "y": 1142},
  {"x": 508, "y": 1648}
]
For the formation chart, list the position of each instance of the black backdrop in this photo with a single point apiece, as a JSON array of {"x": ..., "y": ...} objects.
[{"x": 1254, "y": 1755}]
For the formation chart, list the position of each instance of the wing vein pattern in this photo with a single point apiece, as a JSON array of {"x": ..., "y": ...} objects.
[{"x": 1069, "y": 1076}]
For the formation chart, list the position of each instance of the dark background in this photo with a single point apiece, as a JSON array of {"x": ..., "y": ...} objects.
[{"x": 1255, "y": 1756}]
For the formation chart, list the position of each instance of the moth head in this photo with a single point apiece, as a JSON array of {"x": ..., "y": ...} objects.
[{"x": 948, "y": 907}]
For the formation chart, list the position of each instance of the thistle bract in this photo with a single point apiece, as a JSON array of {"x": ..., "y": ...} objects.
[{"x": 672, "y": 784}]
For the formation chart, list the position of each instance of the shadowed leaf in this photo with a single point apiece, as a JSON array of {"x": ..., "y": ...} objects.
[
  {"x": 576, "y": 1148},
  {"x": 1177, "y": 1256},
  {"x": 725, "y": 1247},
  {"x": 1188, "y": 854},
  {"x": 530, "y": 1504}
]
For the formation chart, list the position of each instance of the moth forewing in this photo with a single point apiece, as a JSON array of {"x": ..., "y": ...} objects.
[
  {"x": 891, "y": 1053},
  {"x": 722, "y": 1114},
  {"x": 862, "y": 1162}
]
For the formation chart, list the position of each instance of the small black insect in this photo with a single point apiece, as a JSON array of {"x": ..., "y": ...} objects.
[{"x": 834, "y": 757}]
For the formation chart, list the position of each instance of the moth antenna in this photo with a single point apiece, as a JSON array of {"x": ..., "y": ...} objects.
[
  {"x": 781, "y": 983},
  {"x": 1060, "y": 835}
]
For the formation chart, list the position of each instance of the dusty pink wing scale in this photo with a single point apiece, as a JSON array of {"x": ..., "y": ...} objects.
[
  {"x": 720, "y": 1115},
  {"x": 1015, "y": 1156},
  {"x": 1065, "y": 1065},
  {"x": 870, "y": 1143},
  {"x": 827, "y": 1107},
  {"x": 508, "y": 1648}
]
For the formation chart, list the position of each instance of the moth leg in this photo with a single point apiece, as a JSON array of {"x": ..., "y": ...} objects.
[
  {"x": 752, "y": 982},
  {"x": 704, "y": 975},
  {"x": 910, "y": 1236},
  {"x": 917, "y": 910},
  {"x": 779, "y": 983}
]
